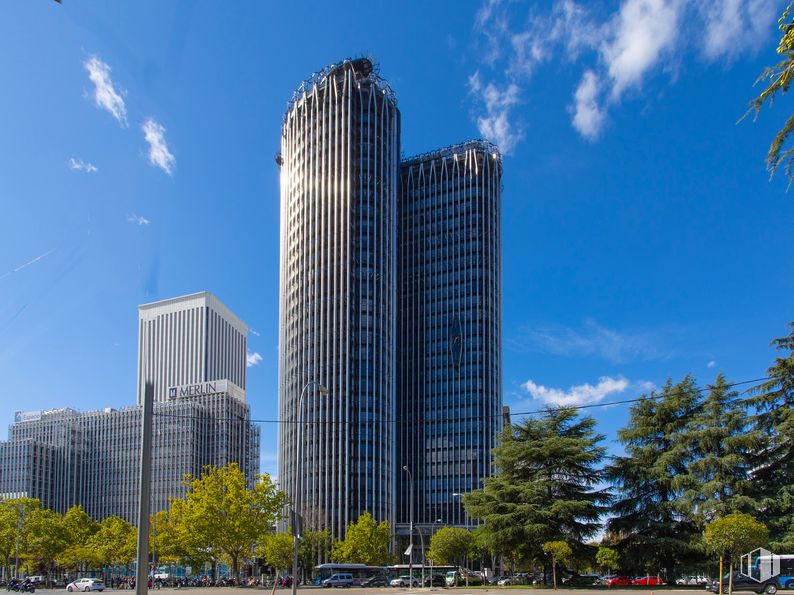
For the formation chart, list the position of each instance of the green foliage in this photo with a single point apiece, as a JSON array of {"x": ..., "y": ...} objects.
[
  {"x": 115, "y": 543},
  {"x": 277, "y": 550},
  {"x": 546, "y": 488},
  {"x": 779, "y": 79},
  {"x": 48, "y": 539},
  {"x": 14, "y": 514},
  {"x": 366, "y": 542},
  {"x": 773, "y": 476},
  {"x": 607, "y": 558},
  {"x": 720, "y": 443},
  {"x": 450, "y": 545},
  {"x": 649, "y": 519},
  {"x": 314, "y": 546},
  {"x": 220, "y": 513},
  {"x": 78, "y": 528},
  {"x": 560, "y": 553},
  {"x": 735, "y": 534}
]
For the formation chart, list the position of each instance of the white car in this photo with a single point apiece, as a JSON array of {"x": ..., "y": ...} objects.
[
  {"x": 404, "y": 581},
  {"x": 86, "y": 584}
]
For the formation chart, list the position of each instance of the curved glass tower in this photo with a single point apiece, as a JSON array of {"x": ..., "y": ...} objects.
[{"x": 340, "y": 156}]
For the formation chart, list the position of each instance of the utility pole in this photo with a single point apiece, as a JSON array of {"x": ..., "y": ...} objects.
[{"x": 142, "y": 570}]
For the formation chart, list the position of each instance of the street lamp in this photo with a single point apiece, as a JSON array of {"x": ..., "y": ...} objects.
[
  {"x": 432, "y": 532},
  {"x": 296, "y": 529},
  {"x": 410, "y": 523},
  {"x": 459, "y": 495}
]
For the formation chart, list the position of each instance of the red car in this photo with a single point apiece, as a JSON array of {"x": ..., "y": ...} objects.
[
  {"x": 648, "y": 581},
  {"x": 618, "y": 581}
]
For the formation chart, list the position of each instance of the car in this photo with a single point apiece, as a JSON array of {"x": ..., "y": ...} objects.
[
  {"x": 86, "y": 585},
  {"x": 504, "y": 581},
  {"x": 742, "y": 582},
  {"x": 404, "y": 581},
  {"x": 648, "y": 581},
  {"x": 618, "y": 581},
  {"x": 340, "y": 579},
  {"x": 582, "y": 580},
  {"x": 436, "y": 580},
  {"x": 379, "y": 580}
]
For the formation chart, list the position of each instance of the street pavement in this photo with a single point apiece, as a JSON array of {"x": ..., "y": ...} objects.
[{"x": 397, "y": 591}]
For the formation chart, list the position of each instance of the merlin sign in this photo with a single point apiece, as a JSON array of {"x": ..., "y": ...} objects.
[{"x": 212, "y": 387}]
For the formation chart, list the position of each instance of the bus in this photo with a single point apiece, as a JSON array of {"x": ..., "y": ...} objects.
[
  {"x": 360, "y": 572},
  {"x": 785, "y": 571}
]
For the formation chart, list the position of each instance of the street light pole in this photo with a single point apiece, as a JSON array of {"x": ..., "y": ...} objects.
[
  {"x": 410, "y": 523},
  {"x": 296, "y": 525},
  {"x": 459, "y": 495}
]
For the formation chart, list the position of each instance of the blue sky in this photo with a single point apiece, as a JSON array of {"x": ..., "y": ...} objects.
[{"x": 642, "y": 236}]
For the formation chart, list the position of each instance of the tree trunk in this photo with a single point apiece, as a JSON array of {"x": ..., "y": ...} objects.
[
  {"x": 721, "y": 573},
  {"x": 554, "y": 571},
  {"x": 730, "y": 576}
]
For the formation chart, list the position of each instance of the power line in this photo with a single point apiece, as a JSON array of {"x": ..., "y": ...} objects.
[{"x": 545, "y": 410}]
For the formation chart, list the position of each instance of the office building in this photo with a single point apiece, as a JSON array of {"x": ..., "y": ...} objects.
[
  {"x": 339, "y": 162},
  {"x": 449, "y": 328},
  {"x": 65, "y": 457},
  {"x": 390, "y": 297}
]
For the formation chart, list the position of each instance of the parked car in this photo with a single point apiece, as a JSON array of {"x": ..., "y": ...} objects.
[
  {"x": 618, "y": 581},
  {"x": 86, "y": 585},
  {"x": 582, "y": 580},
  {"x": 404, "y": 581},
  {"x": 742, "y": 582},
  {"x": 648, "y": 581},
  {"x": 505, "y": 581},
  {"x": 379, "y": 580},
  {"x": 340, "y": 579},
  {"x": 436, "y": 580}
]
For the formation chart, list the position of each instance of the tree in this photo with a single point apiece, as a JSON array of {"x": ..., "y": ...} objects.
[
  {"x": 277, "y": 549},
  {"x": 47, "y": 538},
  {"x": 650, "y": 521},
  {"x": 222, "y": 513},
  {"x": 720, "y": 444},
  {"x": 78, "y": 528},
  {"x": 314, "y": 546},
  {"x": 733, "y": 535},
  {"x": 773, "y": 475},
  {"x": 366, "y": 542},
  {"x": 14, "y": 514},
  {"x": 115, "y": 543},
  {"x": 780, "y": 76},
  {"x": 607, "y": 558},
  {"x": 546, "y": 487},
  {"x": 559, "y": 552},
  {"x": 450, "y": 545}
]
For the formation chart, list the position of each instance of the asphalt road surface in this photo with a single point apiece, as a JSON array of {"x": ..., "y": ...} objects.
[{"x": 397, "y": 591}]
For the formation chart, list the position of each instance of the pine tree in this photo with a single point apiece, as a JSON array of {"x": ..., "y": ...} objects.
[
  {"x": 652, "y": 532},
  {"x": 546, "y": 485},
  {"x": 720, "y": 443},
  {"x": 773, "y": 476}
]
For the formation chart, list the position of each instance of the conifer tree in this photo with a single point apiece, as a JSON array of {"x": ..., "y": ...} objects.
[
  {"x": 773, "y": 475},
  {"x": 546, "y": 485},
  {"x": 649, "y": 522},
  {"x": 720, "y": 443}
]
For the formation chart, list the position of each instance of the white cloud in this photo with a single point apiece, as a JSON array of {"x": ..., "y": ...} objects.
[
  {"x": 253, "y": 332},
  {"x": 735, "y": 26},
  {"x": 711, "y": 364},
  {"x": 252, "y": 359},
  {"x": 496, "y": 125},
  {"x": 105, "y": 94},
  {"x": 588, "y": 116},
  {"x": 137, "y": 219},
  {"x": 583, "y": 394},
  {"x": 642, "y": 31},
  {"x": 80, "y": 165},
  {"x": 159, "y": 155}
]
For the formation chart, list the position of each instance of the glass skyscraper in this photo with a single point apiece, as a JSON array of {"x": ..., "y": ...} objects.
[{"x": 390, "y": 296}]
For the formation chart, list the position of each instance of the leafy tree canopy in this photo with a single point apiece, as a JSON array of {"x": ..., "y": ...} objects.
[
  {"x": 450, "y": 545},
  {"x": 366, "y": 542}
]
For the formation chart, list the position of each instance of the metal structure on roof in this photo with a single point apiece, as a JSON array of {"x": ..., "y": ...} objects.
[{"x": 452, "y": 150}]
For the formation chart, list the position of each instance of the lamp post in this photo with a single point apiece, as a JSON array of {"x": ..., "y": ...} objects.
[
  {"x": 410, "y": 523},
  {"x": 432, "y": 532},
  {"x": 459, "y": 495},
  {"x": 296, "y": 528}
]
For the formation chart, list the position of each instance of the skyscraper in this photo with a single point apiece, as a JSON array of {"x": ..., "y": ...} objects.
[
  {"x": 449, "y": 327},
  {"x": 340, "y": 151},
  {"x": 188, "y": 340},
  {"x": 390, "y": 297}
]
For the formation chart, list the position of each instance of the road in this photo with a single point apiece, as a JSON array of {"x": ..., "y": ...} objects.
[{"x": 396, "y": 591}]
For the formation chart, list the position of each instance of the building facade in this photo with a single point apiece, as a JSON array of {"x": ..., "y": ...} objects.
[
  {"x": 66, "y": 457},
  {"x": 340, "y": 152},
  {"x": 449, "y": 327},
  {"x": 390, "y": 298}
]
